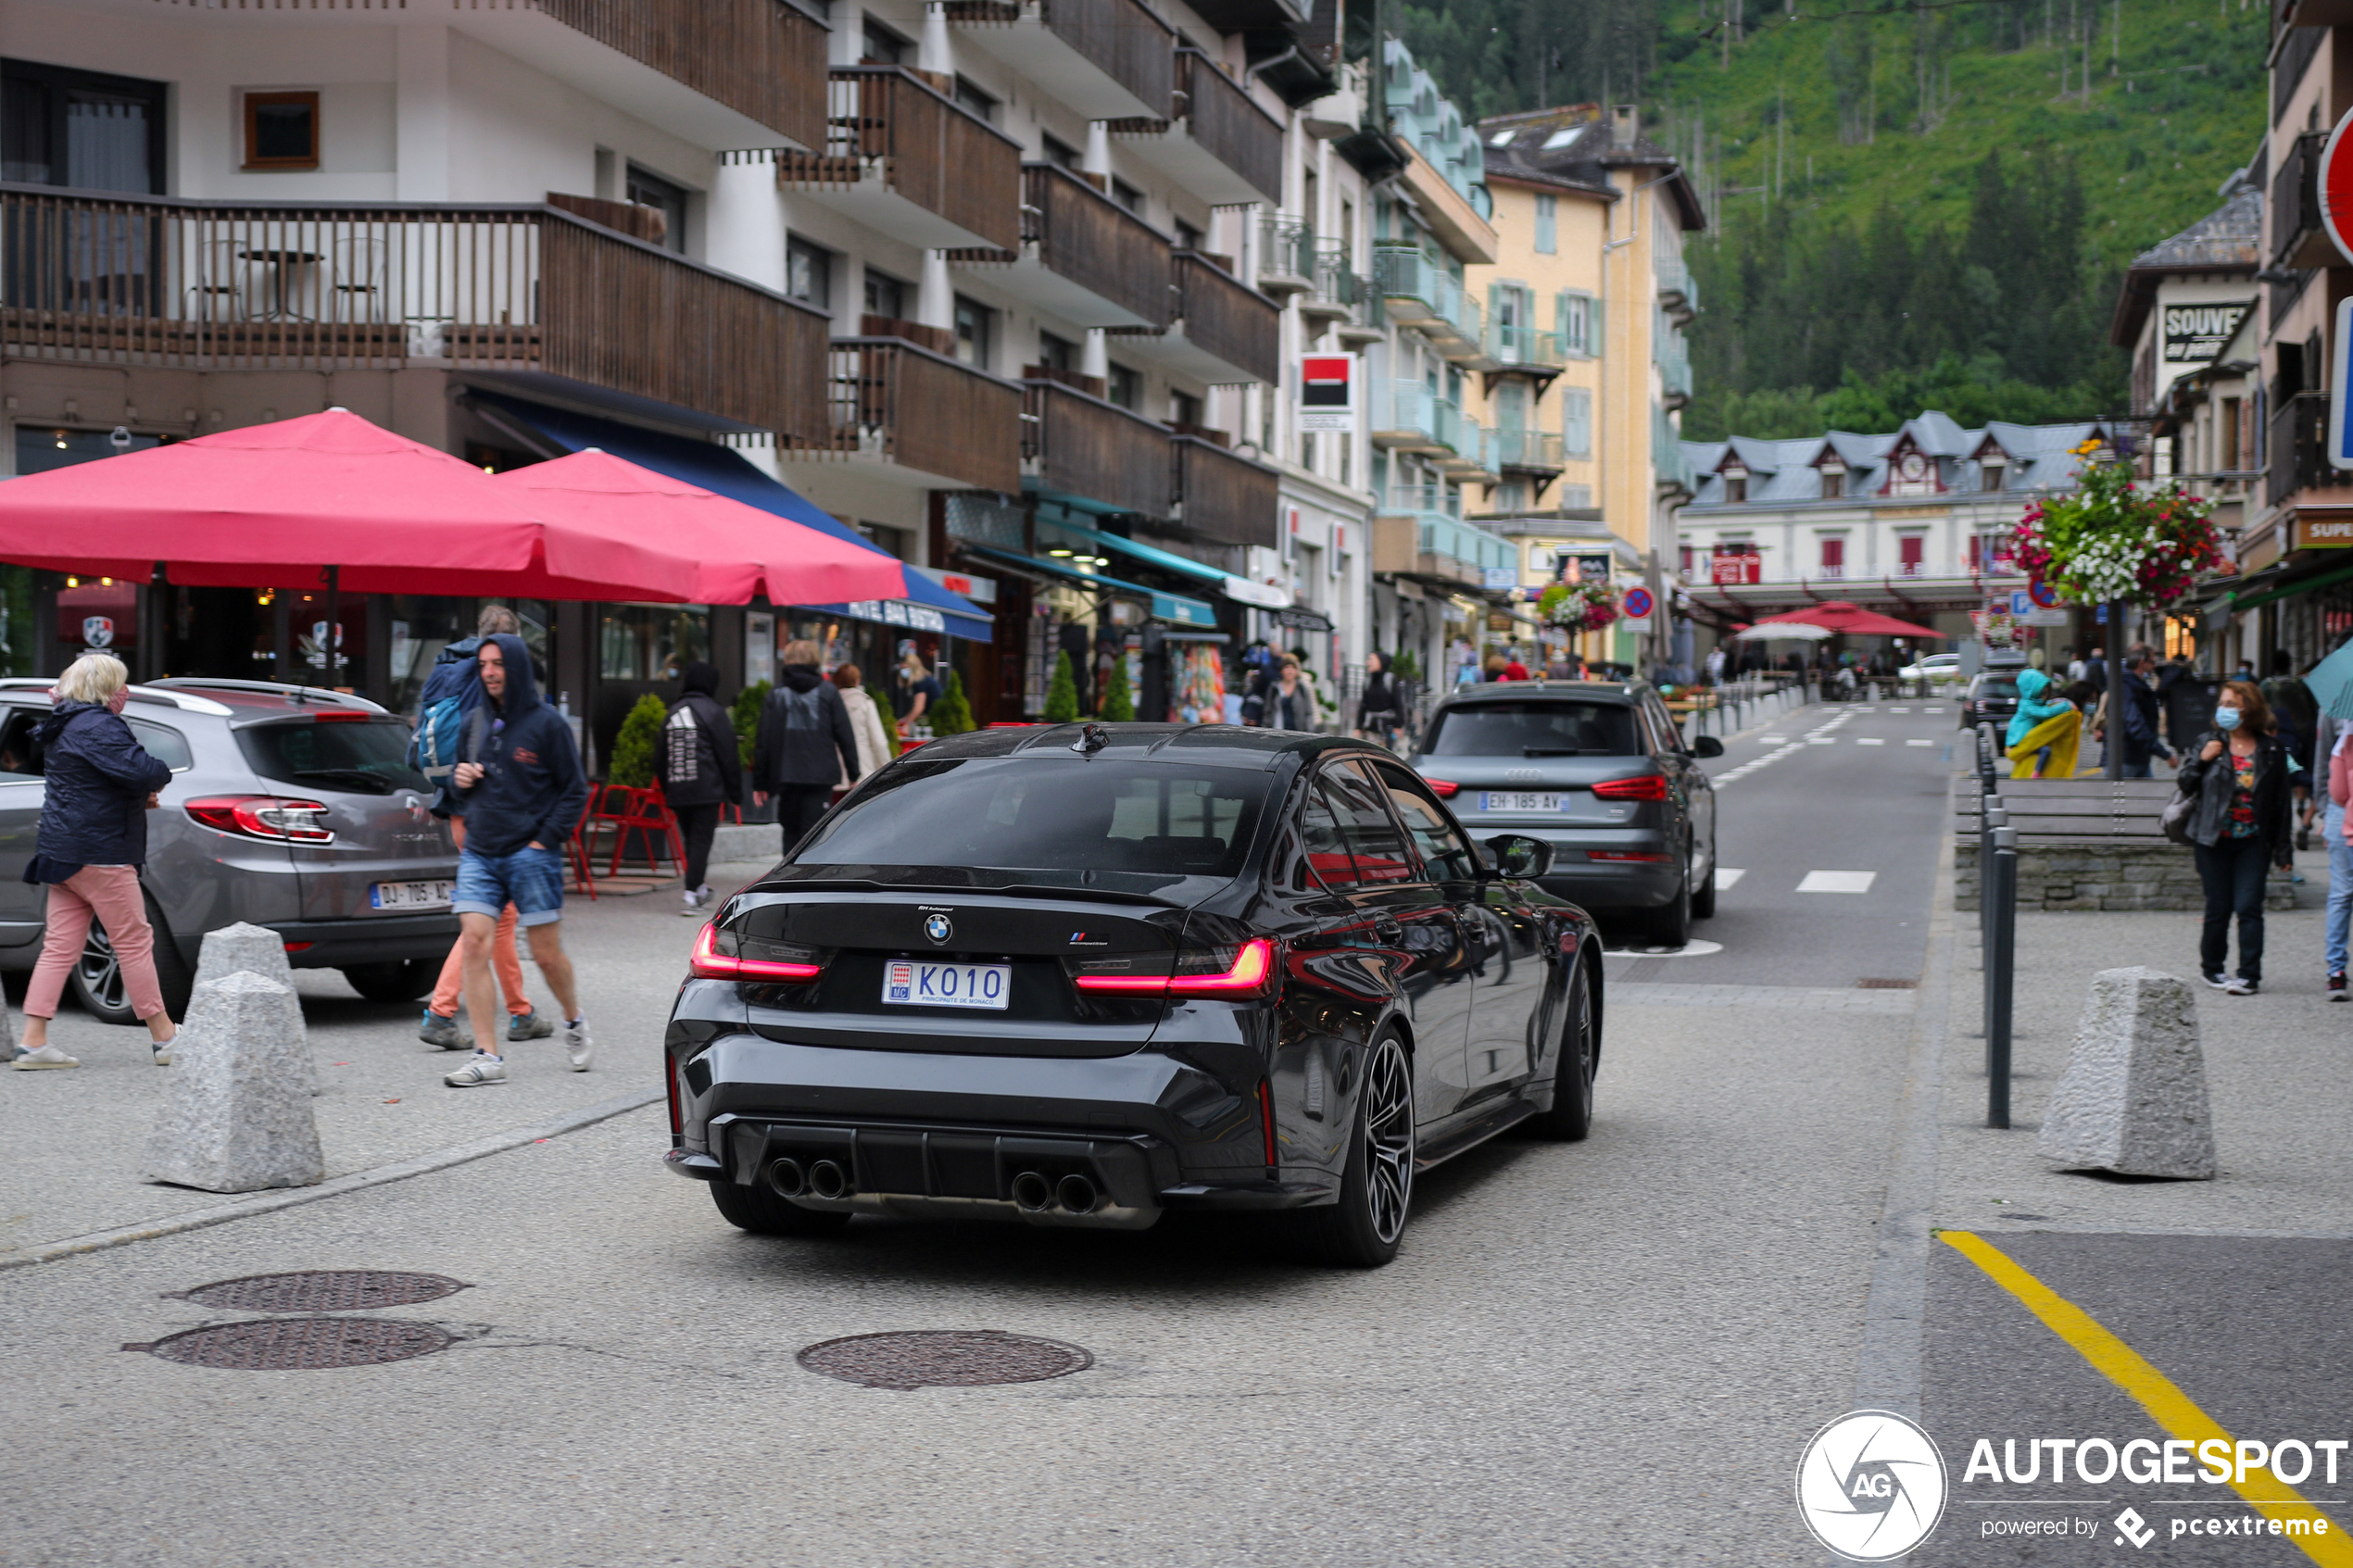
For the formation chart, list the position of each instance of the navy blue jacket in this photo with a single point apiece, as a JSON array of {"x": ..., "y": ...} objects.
[
  {"x": 93, "y": 811},
  {"x": 532, "y": 788}
]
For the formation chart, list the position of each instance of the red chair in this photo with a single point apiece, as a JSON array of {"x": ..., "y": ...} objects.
[
  {"x": 578, "y": 847},
  {"x": 647, "y": 814}
]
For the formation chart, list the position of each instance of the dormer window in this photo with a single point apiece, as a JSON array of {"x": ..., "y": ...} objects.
[
  {"x": 1735, "y": 486},
  {"x": 1992, "y": 469},
  {"x": 1833, "y": 480}
]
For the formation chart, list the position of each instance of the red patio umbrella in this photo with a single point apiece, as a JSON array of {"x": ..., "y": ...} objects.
[
  {"x": 280, "y": 505},
  {"x": 1838, "y": 615},
  {"x": 737, "y": 550}
]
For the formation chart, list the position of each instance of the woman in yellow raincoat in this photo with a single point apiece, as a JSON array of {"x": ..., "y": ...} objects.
[{"x": 2036, "y": 725}]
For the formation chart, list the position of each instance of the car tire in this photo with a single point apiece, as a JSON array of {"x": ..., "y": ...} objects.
[
  {"x": 97, "y": 982},
  {"x": 1365, "y": 1228},
  {"x": 393, "y": 982},
  {"x": 1571, "y": 1116},
  {"x": 1671, "y": 927},
  {"x": 765, "y": 1213},
  {"x": 1704, "y": 900}
]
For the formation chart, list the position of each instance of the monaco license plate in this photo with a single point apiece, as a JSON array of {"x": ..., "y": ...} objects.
[
  {"x": 1519, "y": 801},
  {"x": 410, "y": 895},
  {"x": 906, "y": 983}
]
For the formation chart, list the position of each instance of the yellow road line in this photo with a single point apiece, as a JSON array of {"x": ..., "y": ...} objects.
[{"x": 2173, "y": 1410}]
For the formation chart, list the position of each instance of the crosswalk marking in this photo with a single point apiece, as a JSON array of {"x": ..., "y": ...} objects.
[
  {"x": 1869, "y": 740},
  {"x": 1837, "y": 881},
  {"x": 1919, "y": 743},
  {"x": 1727, "y": 875}
]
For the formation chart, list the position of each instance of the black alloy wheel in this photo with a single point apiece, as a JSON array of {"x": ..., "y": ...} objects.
[
  {"x": 1362, "y": 1231},
  {"x": 1571, "y": 1116},
  {"x": 762, "y": 1212},
  {"x": 1671, "y": 927}
]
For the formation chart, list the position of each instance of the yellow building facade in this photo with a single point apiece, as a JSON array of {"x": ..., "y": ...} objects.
[{"x": 1586, "y": 303}]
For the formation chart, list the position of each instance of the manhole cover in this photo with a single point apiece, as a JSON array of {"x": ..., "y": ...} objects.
[
  {"x": 943, "y": 1358},
  {"x": 325, "y": 1290},
  {"x": 1887, "y": 985},
  {"x": 299, "y": 1344}
]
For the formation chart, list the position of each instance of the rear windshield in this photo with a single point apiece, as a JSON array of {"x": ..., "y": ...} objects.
[
  {"x": 370, "y": 757},
  {"x": 1996, "y": 685},
  {"x": 1047, "y": 814},
  {"x": 1539, "y": 727}
]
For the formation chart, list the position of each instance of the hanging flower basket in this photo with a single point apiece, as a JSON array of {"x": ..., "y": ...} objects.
[
  {"x": 2113, "y": 540},
  {"x": 1579, "y": 607}
]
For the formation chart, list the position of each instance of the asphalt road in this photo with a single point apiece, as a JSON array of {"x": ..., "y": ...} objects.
[{"x": 1608, "y": 1352}]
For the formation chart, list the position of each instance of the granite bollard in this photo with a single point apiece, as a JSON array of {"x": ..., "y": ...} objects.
[
  {"x": 254, "y": 949},
  {"x": 236, "y": 1115},
  {"x": 2132, "y": 1099}
]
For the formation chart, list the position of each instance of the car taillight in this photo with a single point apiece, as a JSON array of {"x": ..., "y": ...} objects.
[
  {"x": 264, "y": 816},
  {"x": 343, "y": 716},
  {"x": 718, "y": 956},
  {"x": 1623, "y": 855},
  {"x": 677, "y": 1117},
  {"x": 1226, "y": 973},
  {"x": 1649, "y": 786},
  {"x": 1446, "y": 788}
]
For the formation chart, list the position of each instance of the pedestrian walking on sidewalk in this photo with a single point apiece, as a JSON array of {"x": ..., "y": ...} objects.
[
  {"x": 865, "y": 722},
  {"x": 2333, "y": 761},
  {"x": 2238, "y": 773},
  {"x": 803, "y": 746},
  {"x": 100, "y": 784},
  {"x": 451, "y": 694},
  {"x": 520, "y": 789},
  {"x": 1380, "y": 712},
  {"x": 2044, "y": 734},
  {"x": 701, "y": 770},
  {"x": 2137, "y": 694}
]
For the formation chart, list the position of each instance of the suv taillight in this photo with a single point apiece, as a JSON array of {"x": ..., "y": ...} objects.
[
  {"x": 1445, "y": 789},
  {"x": 1230, "y": 975},
  {"x": 718, "y": 956},
  {"x": 264, "y": 816},
  {"x": 1649, "y": 786}
]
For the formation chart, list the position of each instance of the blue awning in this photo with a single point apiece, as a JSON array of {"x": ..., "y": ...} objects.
[
  {"x": 1165, "y": 606},
  {"x": 927, "y": 607}
]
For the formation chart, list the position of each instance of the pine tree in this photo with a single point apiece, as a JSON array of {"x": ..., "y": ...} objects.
[
  {"x": 954, "y": 714},
  {"x": 1062, "y": 693},
  {"x": 1116, "y": 706},
  {"x": 633, "y": 748}
]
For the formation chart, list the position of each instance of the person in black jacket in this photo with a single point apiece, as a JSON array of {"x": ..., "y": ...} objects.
[
  {"x": 521, "y": 789},
  {"x": 700, "y": 769},
  {"x": 100, "y": 785},
  {"x": 1380, "y": 709},
  {"x": 804, "y": 744},
  {"x": 2238, "y": 774}
]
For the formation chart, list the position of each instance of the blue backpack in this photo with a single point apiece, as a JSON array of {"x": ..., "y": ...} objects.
[{"x": 452, "y": 693}]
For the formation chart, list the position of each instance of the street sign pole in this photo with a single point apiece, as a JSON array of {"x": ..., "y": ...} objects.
[{"x": 2112, "y": 652}]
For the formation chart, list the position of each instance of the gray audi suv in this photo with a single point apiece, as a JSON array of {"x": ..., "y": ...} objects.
[{"x": 289, "y": 807}]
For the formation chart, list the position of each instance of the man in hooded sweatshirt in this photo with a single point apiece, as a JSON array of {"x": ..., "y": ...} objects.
[
  {"x": 522, "y": 789},
  {"x": 805, "y": 745}
]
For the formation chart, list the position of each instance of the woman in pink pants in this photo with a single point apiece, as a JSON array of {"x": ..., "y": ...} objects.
[{"x": 100, "y": 784}]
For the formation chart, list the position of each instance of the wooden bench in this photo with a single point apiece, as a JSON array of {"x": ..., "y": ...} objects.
[{"x": 2088, "y": 844}]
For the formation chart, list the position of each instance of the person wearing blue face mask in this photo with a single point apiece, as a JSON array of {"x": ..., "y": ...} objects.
[{"x": 2238, "y": 773}]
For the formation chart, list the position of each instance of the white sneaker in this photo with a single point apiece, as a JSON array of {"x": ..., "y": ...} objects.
[
  {"x": 577, "y": 1044},
  {"x": 479, "y": 1069},
  {"x": 47, "y": 1056},
  {"x": 163, "y": 1050}
]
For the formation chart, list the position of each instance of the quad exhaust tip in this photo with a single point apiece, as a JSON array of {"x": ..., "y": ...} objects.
[
  {"x": 1077, "y": 1195},
  {"x": 827, "y": 1180},
  {"x": 788, "y": 1178},
  {"x": 1032, "y": 1193}
]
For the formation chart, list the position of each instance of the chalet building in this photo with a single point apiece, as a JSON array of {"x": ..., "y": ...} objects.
[
  {"x": 1916, "y": 523},
  {"x": 978, "y": 281}
]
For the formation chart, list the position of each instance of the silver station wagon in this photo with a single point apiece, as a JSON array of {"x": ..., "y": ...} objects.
[{"x": 289, "y": 807}]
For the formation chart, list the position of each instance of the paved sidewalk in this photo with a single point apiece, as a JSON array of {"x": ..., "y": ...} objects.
[
  {"x": 2279, "y": 1073},
  {"x": 75, "y": 1137}
]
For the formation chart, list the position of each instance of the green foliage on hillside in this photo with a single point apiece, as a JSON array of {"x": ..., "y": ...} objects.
[{"x": 1912, "y": 202}]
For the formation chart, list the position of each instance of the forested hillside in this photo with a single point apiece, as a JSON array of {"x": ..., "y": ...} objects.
[{"x": 1915, "y": 205}]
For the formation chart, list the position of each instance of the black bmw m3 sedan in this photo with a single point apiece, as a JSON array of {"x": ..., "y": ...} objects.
[{"x": 1085, "y": 974}]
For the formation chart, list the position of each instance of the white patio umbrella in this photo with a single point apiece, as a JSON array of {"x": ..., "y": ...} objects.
[{"x": 1782, "y": 630}]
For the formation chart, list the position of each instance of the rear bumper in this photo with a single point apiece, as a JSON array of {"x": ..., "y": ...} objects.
[
  {"x": 1620, "y": 885},
  {"x": 332, "y": 944},
  {"x": 955, "y": 1136}
]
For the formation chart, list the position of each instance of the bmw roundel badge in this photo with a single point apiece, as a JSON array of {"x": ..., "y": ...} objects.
[{"x": 937, "y": 928}]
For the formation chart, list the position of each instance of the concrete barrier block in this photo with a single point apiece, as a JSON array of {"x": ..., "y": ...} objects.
[
  {"x": 2132, "y": 1099},
  {"x": 236, "y": 1115}
]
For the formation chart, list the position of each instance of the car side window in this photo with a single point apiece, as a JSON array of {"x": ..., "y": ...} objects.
[
  {"x": 1322, "y": 860},
  {"x": 1378, "y": 856},
  {"x": 1444, "y": 850},
  {"x": 1670, "y": 734},
  {"x": 19, "y": 751},
  {"x": 164, "y": 743}
]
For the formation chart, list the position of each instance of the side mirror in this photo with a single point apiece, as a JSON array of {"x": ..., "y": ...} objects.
[
  {"x": 1518, "y": 856},
  {"x": 1707, "y": 745}
]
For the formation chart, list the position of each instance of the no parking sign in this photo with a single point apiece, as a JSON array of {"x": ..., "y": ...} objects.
[{"x": 1637, "y": 604}]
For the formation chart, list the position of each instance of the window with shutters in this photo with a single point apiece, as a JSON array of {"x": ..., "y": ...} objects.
[
  {"x": 1547, "y": 225},
  {"x": 1572, "y": 315},
  {"x": 1576, "y": 422}
]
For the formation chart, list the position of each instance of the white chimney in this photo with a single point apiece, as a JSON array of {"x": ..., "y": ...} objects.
[{"x": 1625, "y": 124}]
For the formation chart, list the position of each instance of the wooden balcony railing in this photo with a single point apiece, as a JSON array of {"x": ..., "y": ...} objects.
[
  {"x": 226, "y": 286},
  {"x": 1097, "y": 244},
  {"x": 934, "y": 154},
  {"x": 763, "y": 59},
  {"x": 892, "y": 399},
  {"x": 1097, "y": 451},
  {"x": 1120, "y": 38},
  {"x": 1221, "y": 498},
  {"x": 1229, "y": 127},
  {"x": 1225, "y": 317}
]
